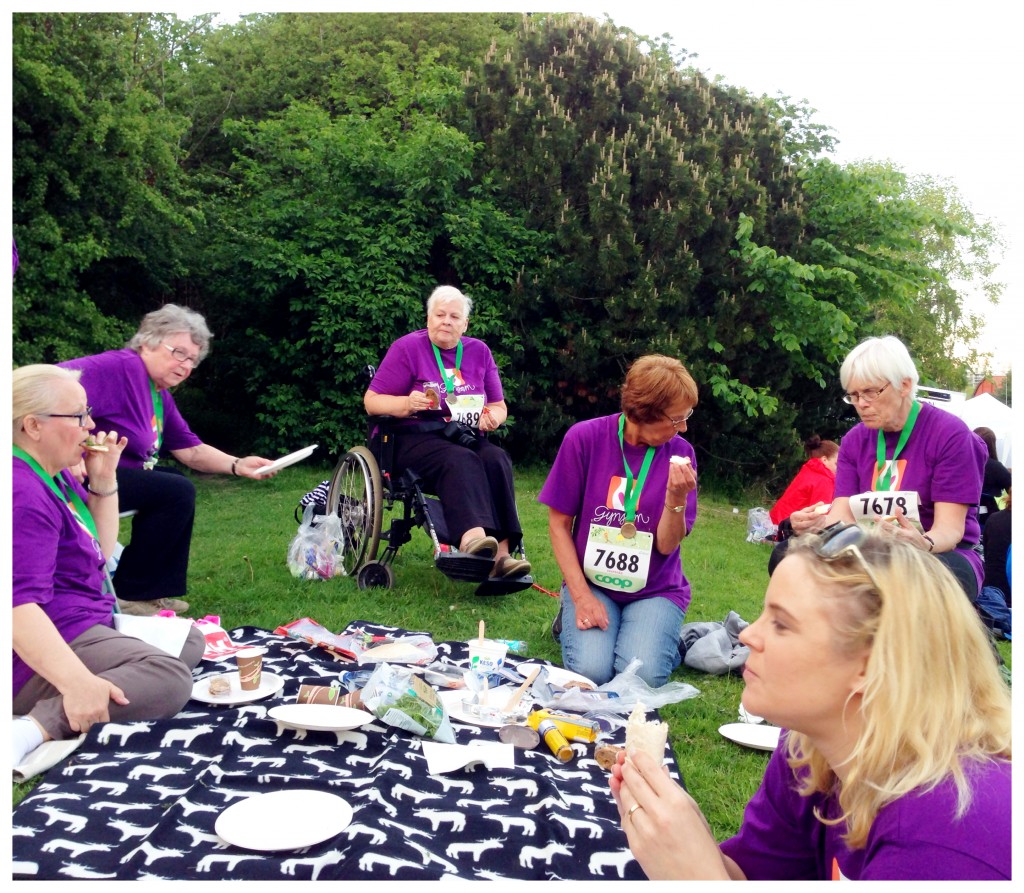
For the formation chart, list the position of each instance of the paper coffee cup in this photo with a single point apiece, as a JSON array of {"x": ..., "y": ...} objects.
[
  {"x": 486, "y": 656},
  {"x": 318, "y": 694},
  {"x": 250, "y": 667}
]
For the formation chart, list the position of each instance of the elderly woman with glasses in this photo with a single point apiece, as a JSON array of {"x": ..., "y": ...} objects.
[
  {"x": 913, "y": 467},
  {"x": 895, "y": 757},
  {"x": 71, "y": 668},
  {"x": 131, "y": 392},
  {"x": 621, "y": 496}
]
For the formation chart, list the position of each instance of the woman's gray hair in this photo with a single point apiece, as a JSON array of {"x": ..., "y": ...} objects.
[
  {"x": 444, "y": 293},
  {"x": 172, "y": 320},
  {"x": 32, "y": 389},
  {"x": 879, "y": 359}
]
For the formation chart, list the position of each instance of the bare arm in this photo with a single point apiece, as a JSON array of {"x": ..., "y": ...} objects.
[
  {"x": 210, "y": 460},
  {"x": 101, "y": 469},
  {"x": 672, "y": 526},
  {"x": 400, "y": 407},
  {"x": 588, "y": 607}
]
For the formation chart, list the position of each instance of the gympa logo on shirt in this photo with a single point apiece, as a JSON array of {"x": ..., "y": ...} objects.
[
  {"x": 897, "y": 474},
  {"x": 616, "y": 498}
]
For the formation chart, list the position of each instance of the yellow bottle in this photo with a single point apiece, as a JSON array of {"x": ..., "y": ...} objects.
[{"x": 555, "y": 740}]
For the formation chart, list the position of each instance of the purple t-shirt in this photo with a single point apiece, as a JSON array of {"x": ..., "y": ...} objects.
[
  {"x": 117, "y": 387},
  {"x": 587, "y": 482},
  {"x": 943, "y": 460},
  {"x": 410, "y": 365},
  {"x": 56, "y": 563},
  {"x": 916, "y": 837}
]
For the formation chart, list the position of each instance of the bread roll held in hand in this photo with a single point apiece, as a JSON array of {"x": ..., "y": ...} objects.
[{"x": 649, "y": 737}]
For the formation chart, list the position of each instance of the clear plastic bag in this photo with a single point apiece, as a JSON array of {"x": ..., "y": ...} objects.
[
  {"x": 397, "y": 696},
  {"x": 316, "y": 551},
  {"x": 621, "y": 694},
  {"x": 760, "y": 528}
]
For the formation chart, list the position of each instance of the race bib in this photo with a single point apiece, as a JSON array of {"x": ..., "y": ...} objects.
[
  {"x": 612, "y": 561},
  {"x": 466, "y": 409},
  {"x": 882, "y": 505}
]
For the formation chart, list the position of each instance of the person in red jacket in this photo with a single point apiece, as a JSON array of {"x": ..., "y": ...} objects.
[{"x": 813, "y": 483}]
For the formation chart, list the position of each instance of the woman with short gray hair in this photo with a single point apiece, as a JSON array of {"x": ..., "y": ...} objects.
[{"x": 131, "y": 390}]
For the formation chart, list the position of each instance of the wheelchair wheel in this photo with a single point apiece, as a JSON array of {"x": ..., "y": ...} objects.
[
  {"x": 355, "y": 494},
  {"x": 374, "y": 575}
]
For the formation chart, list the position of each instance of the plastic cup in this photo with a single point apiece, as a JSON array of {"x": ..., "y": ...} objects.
[
  {"x": 250, "y": 667},
  {"x": 486, "y": 656}
]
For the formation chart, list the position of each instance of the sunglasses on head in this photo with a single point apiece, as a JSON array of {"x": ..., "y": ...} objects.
[{"x": 842, "y": 540}]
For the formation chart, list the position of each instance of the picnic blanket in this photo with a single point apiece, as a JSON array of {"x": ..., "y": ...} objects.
[{"x": 139, "y": 800}]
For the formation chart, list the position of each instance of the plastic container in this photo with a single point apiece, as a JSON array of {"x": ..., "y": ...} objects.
[
  {"x": 516, "y": 646},
  {"x": 486, "y": 656}
]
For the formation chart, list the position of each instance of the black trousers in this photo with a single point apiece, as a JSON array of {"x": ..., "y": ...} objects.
[
  {"x": 155, "y": 563},
  {"x": 475, "y": 486}
]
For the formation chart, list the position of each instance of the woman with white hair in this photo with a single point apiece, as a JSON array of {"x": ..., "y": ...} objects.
[
  {"x": 434, "y": 376},
  {"x": 895, "y": 757},
  {"x": 131, "y": 389},
  {"x": 71, "y": 668},
  {"x": 910, "y": 465}
]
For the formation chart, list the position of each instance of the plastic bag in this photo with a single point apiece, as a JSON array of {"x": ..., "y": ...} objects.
[
  {"x": 760, "y": 528},
  {"x": 622, "y": 693},
  {"x": 316, "y": 551},
  {"x": 402, "y": 699}
]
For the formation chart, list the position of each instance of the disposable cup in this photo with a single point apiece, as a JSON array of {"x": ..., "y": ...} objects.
[
  {"x": 486, "y": 656},
  {"x": 250, "y": 667}
]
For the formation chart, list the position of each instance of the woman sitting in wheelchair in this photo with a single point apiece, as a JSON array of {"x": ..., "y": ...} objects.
[{"x": 447, "y": 391}]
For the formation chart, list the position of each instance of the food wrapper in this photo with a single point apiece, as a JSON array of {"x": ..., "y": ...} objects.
[{"x": 399, "y": 697}]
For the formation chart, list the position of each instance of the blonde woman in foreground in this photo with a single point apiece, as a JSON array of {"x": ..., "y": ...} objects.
[{"x": 895, "y": 756}]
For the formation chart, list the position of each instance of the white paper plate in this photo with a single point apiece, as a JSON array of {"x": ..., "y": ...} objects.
[
  {"x": 320, "y": 717},
  {"x": 453, "y": 698},
  {"x": 556, "y": 675},
  {"x": 269, "y": 684},
  {"x": 758, "y": 737},
  {"x": 285, "y": 461},
  {"x": 283, "y": 820}
]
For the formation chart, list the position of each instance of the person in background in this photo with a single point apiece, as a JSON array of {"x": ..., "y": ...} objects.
[
  {"x": 997, "y": 477},
  {"x": 434, "y": 375},
  {"x": 621, "y": 497},
  {"x": 71, "y": 668},
  {"x": 131, "y": 390},
  {"x": 894, "y": 759},
  {"x": 996, "y": 599},
  {"x": 908, "y": 465},
  {"x": 813, "y": 484}
]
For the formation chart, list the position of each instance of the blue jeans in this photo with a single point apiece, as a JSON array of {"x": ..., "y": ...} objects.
[{"x": 647, "y": 629}]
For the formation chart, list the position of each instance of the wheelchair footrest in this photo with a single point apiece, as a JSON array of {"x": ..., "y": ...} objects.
[
  {"x": 504, "y": 585},
  {"x": 464, "y": 568}
]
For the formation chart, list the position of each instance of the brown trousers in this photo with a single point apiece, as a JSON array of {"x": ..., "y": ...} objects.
[{"x": 156, "y": 684}]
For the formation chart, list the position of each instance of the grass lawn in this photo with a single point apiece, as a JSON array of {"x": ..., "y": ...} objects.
[{"x": 238, "y": 571}]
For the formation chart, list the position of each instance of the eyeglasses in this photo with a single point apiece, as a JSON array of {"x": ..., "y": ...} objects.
[
  {"x": 80, "y": 416},
  {"x": 868, "y": 395},
  {"x": 845, "y": 540},
  {"x": 677, "y": 422},
  {"x": 183, "y": 356}
]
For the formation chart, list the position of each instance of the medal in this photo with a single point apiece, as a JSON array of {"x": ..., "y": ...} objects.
[{"x": 628, "y": 530}]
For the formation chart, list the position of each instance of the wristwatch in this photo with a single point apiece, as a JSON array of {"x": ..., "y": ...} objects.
[{"x": 676, "y": 508}]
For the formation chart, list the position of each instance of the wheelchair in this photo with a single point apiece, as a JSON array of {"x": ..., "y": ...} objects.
[{"x": 362, "y": 488}]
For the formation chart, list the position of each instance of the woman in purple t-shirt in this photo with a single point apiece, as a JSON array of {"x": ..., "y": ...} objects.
[
  {"x": 897, "y": 759},
  {"x": 913, "y": 466},
  {"x": 622, "y": 495},
  {"x": 434, "y": 375},
  {"x": 70, "y": 667},
  {"x": 131, "y": 391}
]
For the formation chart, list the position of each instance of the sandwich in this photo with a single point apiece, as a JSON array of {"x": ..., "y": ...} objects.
[{"x": 649, "y": 737}]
